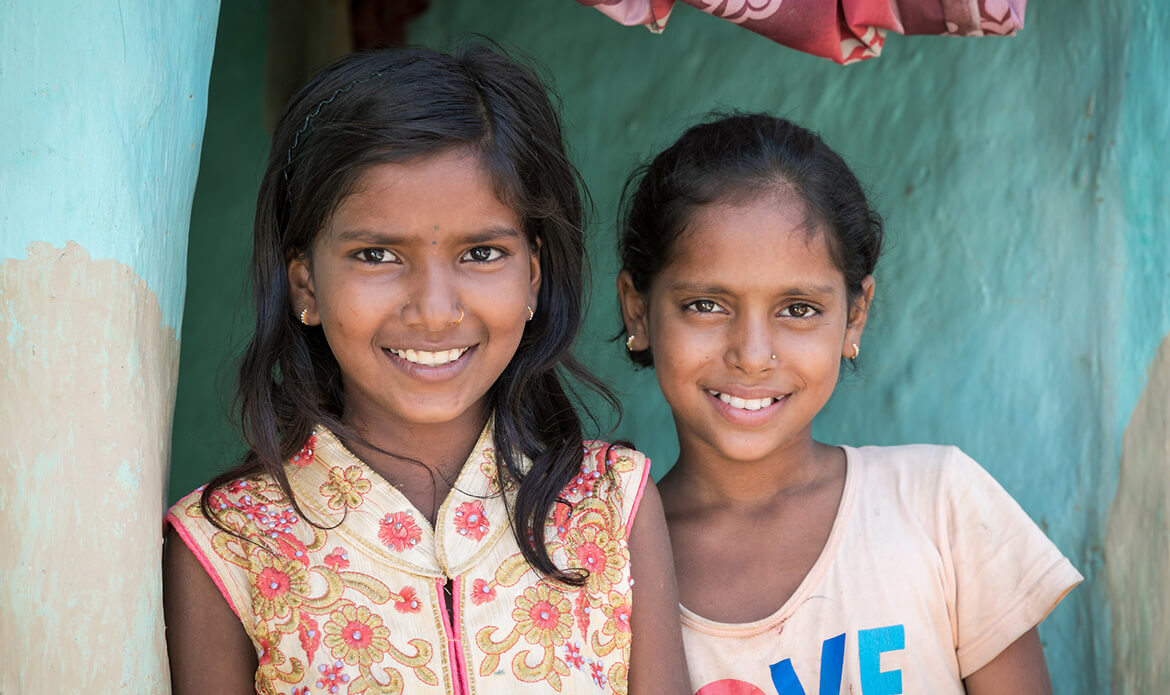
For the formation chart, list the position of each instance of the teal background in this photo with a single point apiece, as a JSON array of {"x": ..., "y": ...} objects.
[{"x": 1024, "y": 289}]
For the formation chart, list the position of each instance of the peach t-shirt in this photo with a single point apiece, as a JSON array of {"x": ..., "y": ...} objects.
[{"x": 930, "y": 571}]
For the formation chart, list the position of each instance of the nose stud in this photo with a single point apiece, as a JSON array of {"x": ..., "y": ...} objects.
[{"x": 773, "y": 355}]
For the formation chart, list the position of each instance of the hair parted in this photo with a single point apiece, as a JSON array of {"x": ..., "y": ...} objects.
[
  {"x": 396, "y": 106},
  {"x": 735, "y": 158}
]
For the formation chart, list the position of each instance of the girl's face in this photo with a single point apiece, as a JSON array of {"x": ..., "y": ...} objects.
[
  {"x": 421, "y": 282},
  {"x": 747, "y": 325}
]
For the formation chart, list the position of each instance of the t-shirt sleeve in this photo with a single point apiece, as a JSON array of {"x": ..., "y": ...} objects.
[{"x": 1007, "y": 574}]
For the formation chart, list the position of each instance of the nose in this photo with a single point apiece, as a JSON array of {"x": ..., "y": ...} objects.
[
  {"x": 750, "y": 347},
  {"x": 433, "y": 302}
]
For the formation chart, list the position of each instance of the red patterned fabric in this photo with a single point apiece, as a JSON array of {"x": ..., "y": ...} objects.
[{"x": 844, "y": 31}]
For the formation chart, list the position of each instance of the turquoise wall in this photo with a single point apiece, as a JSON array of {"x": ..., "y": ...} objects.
[
  {"x": 100, "y": 136},
  {"x": 1021, "y": 300}
]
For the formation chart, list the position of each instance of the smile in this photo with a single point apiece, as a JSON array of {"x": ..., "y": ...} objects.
[
  {"x": 743, "y": 403},
  {"x": 430, "y": 359}
]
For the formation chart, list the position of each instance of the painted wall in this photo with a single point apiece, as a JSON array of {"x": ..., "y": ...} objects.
[
  {"x": 102, "y": 125},
  {"x": 1021, "y": 301}
]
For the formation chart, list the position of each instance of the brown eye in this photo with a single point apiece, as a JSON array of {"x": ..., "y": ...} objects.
[
  {"x": 799, "y": 311},
  {"x": 483, "y": 254},
  {"x": 375, "y": 256},
  {"x": 703, "y": 306}
]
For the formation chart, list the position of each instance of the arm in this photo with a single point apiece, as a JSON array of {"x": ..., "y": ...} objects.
[
  {"x": 208, "y": 649},
  {"x": 1018, "y": 670},
  {"x": 657, "y": 662}
]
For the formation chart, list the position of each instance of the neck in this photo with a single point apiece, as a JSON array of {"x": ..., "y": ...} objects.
[
  {"x": 713, "y": 479},
  {"x": 441, "y": 447}
]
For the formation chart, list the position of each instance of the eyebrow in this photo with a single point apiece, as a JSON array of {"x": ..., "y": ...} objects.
[
  {"x": 377, "y": 238},
  {"x": 795, "y": 291}
]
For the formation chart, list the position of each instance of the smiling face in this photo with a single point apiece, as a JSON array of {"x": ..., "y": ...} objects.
[
  {"x": 421, "y": 282},
  {"x": 745, "y": 283}
]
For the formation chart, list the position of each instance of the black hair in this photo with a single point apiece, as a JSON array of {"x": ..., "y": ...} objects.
[
  {"x": 732, "y": 159},
  {"x": 396, "y": 106}
]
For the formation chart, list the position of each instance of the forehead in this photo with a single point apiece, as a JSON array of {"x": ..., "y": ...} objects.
[
  {"x": 763, "y": 243},
  {"x": 446, "y": 193}
]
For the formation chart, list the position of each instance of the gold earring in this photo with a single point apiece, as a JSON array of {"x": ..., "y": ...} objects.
[
  {"x": 630, "y": 343},
  {"x": 856, "y": 351},
  {"x": 303, "y": 312},
  {"x": 531, "y": 313},
  {"x": 459, "y": 320}
]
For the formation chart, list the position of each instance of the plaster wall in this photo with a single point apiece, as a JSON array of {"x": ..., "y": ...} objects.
[
  {"x": 1020, "y": 302},
  {"x": 103, "y": 119}
]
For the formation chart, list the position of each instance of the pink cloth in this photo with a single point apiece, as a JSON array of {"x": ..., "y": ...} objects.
[{"x": 844, "y": 31}]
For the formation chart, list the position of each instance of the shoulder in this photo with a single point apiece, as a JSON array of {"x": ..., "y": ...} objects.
[
  {"x": 931, "y": 465},
  {"x": 611, "y": 476},
  {"x": 254, "y": 498}
]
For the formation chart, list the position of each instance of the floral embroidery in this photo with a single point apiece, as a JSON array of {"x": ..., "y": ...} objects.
[
  {"x": 561, "y": 516},
  {"x": 345, "y": 488},
  {"x": 272, "y": 663},
  {"x": 331, "y": 676},
  {"x": 278, "y": 584},
  {"x": 407, "y": 600},
  {"x": 616, "y": 627},
  {"x": 581, "y": 612},
  {"x": 470, "y": 521},
  {"x": 309, "y": 634},
  {"x": 356, "y": 636},
  {"x": 543, "y": 616},
  {"x": 307, "y": 453},
  {"x": 337, "y": 560},
  {"x": 319, "y": 626},
  {"x": 597, "y": 670},
  {"x": 399, "y": 531},
  {"x": 573, "y": 655},
  {"x": 482, "y": 592},
  {"x": 595, "y": 550}
]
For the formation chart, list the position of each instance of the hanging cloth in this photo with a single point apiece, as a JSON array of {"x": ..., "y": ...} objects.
[{"x": 844, "y": 31}]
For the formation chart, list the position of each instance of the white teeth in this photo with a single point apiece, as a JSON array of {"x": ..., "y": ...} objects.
[
  {"x": 743, "y": 403},
  {"x": 430, "y": 359}
]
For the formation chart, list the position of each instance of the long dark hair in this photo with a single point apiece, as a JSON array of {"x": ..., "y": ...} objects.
[
  {"x": 395, "y": 106},
  {"x": 731, "y": 159}
]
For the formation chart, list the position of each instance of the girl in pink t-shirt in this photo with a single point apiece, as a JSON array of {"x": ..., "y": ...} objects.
[{"x": 748, "y": 252}]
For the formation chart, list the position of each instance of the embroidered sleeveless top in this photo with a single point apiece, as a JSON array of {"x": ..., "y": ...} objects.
[{"x": 358, "y": 606}]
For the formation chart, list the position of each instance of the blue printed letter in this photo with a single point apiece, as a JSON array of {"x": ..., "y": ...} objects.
[
  {"x": 832, "y": 659},
  {"x": 784, "y": 678},
  {"x": 870, "y": 646}
]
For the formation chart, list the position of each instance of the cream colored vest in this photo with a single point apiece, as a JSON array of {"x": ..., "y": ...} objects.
[{"x": 358, "y": 607}]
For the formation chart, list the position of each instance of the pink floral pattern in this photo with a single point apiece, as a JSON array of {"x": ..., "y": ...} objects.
[
  {"x": 470, "y": 520},
  {"x": 323, "y": 620},
  {"x": 399, "y": 531}
]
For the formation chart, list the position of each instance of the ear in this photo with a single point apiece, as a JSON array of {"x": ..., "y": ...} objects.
[
  {"x": 300, "y": 290},
  {"x": 534, "y": 272},
  {"x": 633, "y": 312},
  {"x": 858, "y": 314}
]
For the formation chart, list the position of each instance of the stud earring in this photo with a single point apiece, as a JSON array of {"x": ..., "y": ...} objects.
[
  {"x": 303, "y": 312},
  {"x": 856, "y": 351},
  {"x": 531, "y": 313},
  {"x": 459, "y": 320},
  {"x": 630, "y": 343}
]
